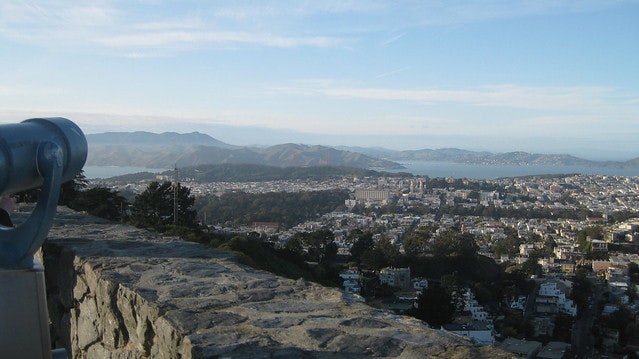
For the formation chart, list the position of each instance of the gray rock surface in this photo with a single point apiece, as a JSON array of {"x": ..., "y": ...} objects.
[{"x": 116, "y": 291}]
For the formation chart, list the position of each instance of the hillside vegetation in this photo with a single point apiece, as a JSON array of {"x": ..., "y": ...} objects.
[{"x": 230, "y": 172}]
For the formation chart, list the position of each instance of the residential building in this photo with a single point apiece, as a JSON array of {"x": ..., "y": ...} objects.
[
  {"x": 472, "y": 306},
  {"x": 526, "y": 248},
  {"x": 521, "y": 348},
  {"x": 479, "y": 333},
  {"x": 395, "y": 277},
  {"x": 419, "y": 284},
  {"x": 554, "y": 350},
  {"x": 518, "y": 303},
  {"x": 351, "y": 280},
  {"x": 599, "y": 245},
  {"x": 552, "y": 298}
]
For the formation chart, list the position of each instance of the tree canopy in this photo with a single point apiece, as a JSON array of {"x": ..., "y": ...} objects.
[
  {"x": 417, "y": 242},
  {"x": 453, "y": 242},
  {"x": 100, "y": 202},
  {"x": 154, "y": 207},
  {"x": 434, "y": 306},
  {"x": 241, "y": 208}
]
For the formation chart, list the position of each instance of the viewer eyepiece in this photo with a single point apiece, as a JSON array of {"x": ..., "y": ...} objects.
[
  {"x": 19, "y": 144},
  {"x": 39, "y": 152}
]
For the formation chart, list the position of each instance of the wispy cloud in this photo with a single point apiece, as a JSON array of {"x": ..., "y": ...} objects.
[
  {"x": 513, "y": 96},
  {"x": 181, "y": 37},
  {"x": 265, "y": 23},
  {"x": 436, "y": 13},
  {"x": 116, "y": 25},
  {"x": 392, "y": 39},
  {"x": 392, "y": 72}
]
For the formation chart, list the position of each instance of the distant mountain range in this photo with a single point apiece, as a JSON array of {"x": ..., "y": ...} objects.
[
  {"x": 141, "y": 138},
  {"x": 517, "y": 158},
  {"x": 165, "y": 150}
]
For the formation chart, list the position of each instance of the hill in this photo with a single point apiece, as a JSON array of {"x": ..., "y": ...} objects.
[
  {"x": 142, "y": 138},
  {"x": 517, "y": 158},
  {"x": 169, "y": 149},
  {"x": 165, "y": 150}
]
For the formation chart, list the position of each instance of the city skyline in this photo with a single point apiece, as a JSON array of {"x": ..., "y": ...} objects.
[{"x": 536, "y": 76}]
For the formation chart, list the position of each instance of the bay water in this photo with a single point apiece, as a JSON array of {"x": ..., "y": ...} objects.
[
  {"x": 475, "y": 171},
  {"x": 431, "y": 169}
]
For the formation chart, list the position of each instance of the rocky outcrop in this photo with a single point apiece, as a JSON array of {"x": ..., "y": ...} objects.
[{"x": 120, "y": 292}]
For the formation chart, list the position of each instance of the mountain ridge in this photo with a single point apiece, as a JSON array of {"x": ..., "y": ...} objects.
[
  {"x": 167, "y": 149},
  {"x": 185, "y": 155},
  {"x": 519, "y": 158},
  {"x": 144, "y": 138}
]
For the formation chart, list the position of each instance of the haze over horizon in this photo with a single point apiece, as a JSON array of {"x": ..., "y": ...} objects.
[{"x": 499, "y": 76}]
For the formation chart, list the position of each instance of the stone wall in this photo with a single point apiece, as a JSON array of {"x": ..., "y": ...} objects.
[{"x": 120, "y": 292}]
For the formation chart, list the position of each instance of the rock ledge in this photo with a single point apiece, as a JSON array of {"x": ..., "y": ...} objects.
[{"x": 116, "y": 291}]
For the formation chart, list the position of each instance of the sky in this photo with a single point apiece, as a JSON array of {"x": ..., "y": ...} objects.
[{"x": 545, "y": 76}]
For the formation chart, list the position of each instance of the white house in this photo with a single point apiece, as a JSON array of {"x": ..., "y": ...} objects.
[
  {"x": 479, "y": 333},
  {"x": 477, "y": 311},
  {"x": 351, "y": 277},
  {"x": 553, "y": 293}
]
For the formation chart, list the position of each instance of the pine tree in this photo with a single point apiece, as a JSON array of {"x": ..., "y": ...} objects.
[{"x": 153, "y": 208}]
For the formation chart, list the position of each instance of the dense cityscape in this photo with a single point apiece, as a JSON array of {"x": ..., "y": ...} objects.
[{"x": 568, "y": 245}]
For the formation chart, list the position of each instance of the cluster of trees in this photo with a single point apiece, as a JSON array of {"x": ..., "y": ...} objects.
[
  {"x": 289, "y": 209},
  {"x": 459, "y": 183},
  {"x": 450, "y": 256},
  {"x": 435, "y": 306},
  {"x": 153, "y": 208},
  {"x": 98, "y": 201},
  {"x": 230, "y": 172},
  {"x": 621, "y": 320},
  {"x": 257, "y": 251},
  {"x": 234, "y": 172},
  {"x": 320, "y": 245},
  {"x": 523, "y": 213},
  {"x": 585, "y": 235},
  {"x": 620, "y": 216},
  {"x": 490, "y": 211}
]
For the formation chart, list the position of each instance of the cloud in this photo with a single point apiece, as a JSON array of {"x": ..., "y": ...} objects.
[
  {"x": 512, "y": 96},
  {"x": 123, "y": 25},
  {"x": 180, "y": 38},
  {"x": 406, "y": 14},
  {"x": 117, "y": 24},
  {"x": 251, "y": 10},
  {"x": 392, "y": 39},
  {"x": 456, "y": 12},
  {"x": 392, "y": 72}
]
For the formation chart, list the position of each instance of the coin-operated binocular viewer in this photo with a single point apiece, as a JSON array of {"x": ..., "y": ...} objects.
[{"x": 37, "y": 153}]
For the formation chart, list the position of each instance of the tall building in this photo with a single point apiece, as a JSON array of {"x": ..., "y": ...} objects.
[{"x": 372, "y": 195}]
